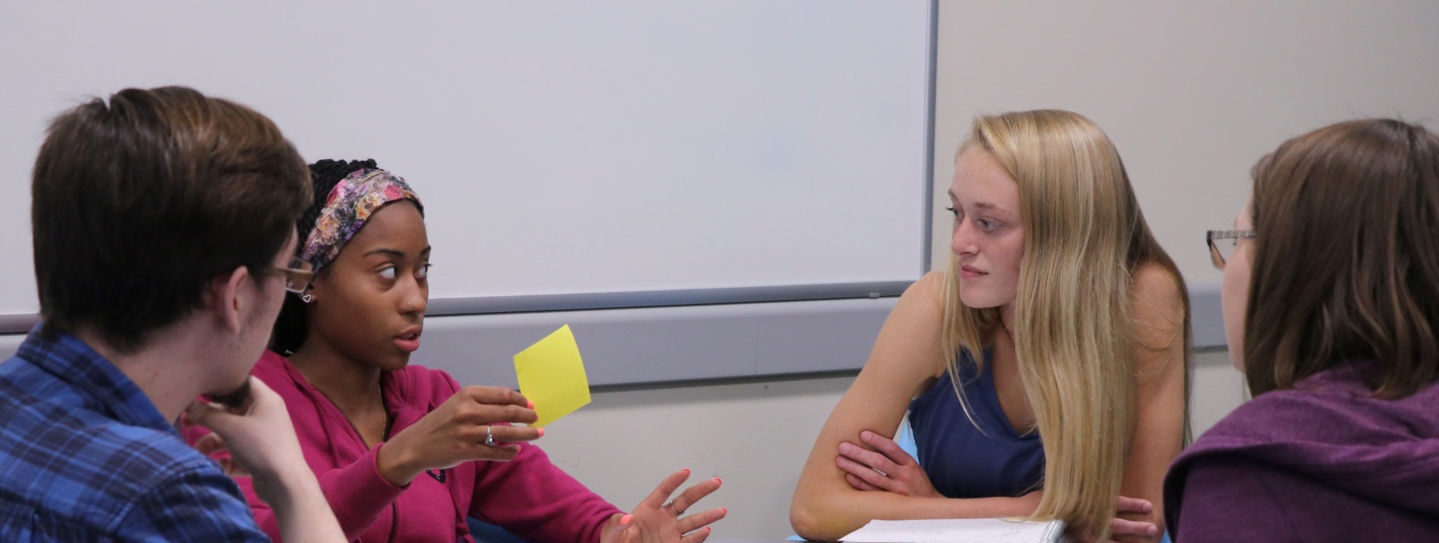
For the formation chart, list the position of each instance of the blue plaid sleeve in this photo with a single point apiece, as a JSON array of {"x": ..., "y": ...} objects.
[{"x": 194, "y": 505}]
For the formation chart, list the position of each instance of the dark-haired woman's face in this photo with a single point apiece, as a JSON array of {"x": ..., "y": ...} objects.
[
  {"x": 1234, "y": 292},
  {"x": 369, "y": 303}
]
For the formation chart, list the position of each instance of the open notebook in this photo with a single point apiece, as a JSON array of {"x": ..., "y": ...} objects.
[{"x": 986, "y": 530}]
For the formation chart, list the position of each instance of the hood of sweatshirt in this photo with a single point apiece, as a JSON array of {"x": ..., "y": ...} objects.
[{"x": 1331, "y": 429}]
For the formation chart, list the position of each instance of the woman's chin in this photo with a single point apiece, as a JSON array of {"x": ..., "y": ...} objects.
[
  {"x": 393, "y": 362},
  {"x": 978, "y": 300}
]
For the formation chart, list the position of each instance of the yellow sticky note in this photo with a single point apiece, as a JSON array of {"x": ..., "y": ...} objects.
[{"x": 552, "y": 376}]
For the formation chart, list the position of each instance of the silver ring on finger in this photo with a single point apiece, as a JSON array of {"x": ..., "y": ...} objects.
[
  {"x": 881, "y": 472},
  {"x": 489, "y": 436}
]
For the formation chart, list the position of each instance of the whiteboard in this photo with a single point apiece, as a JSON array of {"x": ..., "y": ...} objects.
[{"x": 559, "y": 148}]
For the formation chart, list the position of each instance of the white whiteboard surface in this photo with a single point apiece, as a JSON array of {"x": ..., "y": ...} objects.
[{"x": 560, "y": 147}]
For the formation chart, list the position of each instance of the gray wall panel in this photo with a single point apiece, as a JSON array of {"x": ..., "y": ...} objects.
[
  {"x": 647, "y": 345},
  {"x": 687, "y": 343},
  {"x": 1206, "y": 316}
]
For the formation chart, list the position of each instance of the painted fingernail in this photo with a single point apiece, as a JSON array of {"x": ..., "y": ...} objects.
[
  {"x": 724, "y": 511},
  {"x": 687, "y": 470},
  {"x": 542, "y": 431},
  {"x": 717, "y": 480},
  {"x": 532, "y": 404},
  {"x": 626, "y": 519},
  {"x": 708, "y": 529}
]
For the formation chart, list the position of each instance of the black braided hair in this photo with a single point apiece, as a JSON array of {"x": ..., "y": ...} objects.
[
  {"x": 290, "y": 328},
  {"x": 324, "y": 175}
]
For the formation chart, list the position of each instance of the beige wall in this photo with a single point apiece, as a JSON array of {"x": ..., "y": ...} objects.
[{"x": 1192, "y": 93}]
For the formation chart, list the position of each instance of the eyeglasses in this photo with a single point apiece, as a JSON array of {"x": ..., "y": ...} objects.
[
  {"x": 1222, "y": 244},
  {"x": 297, "y": 275}
]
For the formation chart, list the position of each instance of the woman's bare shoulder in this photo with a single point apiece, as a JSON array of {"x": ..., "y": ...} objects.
[{"x": 1157, "y": 307}]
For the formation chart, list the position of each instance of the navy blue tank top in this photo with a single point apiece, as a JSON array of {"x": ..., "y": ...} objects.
[{"x": 961, "y": 461}]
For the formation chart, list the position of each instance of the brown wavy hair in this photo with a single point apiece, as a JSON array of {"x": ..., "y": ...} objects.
[
  {"x": 140, "y": 200},
  {"x": 1348, "y": 238}
]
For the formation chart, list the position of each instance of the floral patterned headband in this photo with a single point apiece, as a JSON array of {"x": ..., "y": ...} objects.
[{"x": 348, "y": 206}]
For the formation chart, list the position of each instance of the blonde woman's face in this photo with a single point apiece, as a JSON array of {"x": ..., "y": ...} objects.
[
  {"x": 988, "y": 236},
  {"x": 1234, "y": 292}
]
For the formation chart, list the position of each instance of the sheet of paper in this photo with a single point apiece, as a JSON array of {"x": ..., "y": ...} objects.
[
  {"x": 552, "y": 376},
  {"x": 985, "y": 530}
]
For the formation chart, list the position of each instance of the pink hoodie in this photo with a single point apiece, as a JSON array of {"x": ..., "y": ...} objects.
[{"x": 528, "y": 496}]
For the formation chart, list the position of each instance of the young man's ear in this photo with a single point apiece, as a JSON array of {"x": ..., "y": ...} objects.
[{"x": 227, "y": 299}]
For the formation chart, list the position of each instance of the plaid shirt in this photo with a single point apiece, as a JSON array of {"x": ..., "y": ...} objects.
[{"x": 85, "y": 456}]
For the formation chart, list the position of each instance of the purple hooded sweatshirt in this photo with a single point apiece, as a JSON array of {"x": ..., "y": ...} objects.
[{"x": 1323, "y": 461}]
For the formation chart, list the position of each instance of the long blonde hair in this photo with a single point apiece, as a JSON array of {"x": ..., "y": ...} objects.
[{"x": 1084, "y": 236}]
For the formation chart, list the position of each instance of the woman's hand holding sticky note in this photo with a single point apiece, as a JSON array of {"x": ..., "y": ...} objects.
[{"x": 552, "y": 376}]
